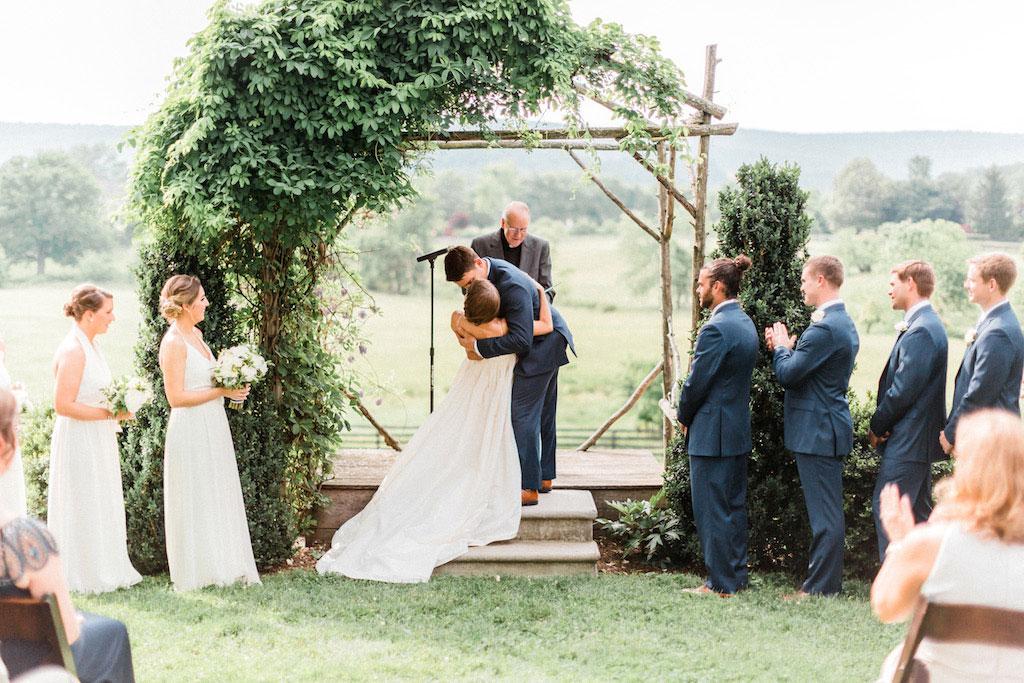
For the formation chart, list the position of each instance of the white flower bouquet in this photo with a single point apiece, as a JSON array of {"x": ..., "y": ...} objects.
[
  {"x": 238, "y": 366},
  {"x": 127, "y": 395}
]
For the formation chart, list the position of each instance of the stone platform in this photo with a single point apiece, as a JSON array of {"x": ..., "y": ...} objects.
[{"x": 608, "y": 475}]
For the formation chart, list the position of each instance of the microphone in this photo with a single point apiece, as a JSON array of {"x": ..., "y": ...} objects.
[{"x": 433, "y": 255}]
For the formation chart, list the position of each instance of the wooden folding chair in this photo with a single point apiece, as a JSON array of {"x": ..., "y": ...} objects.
[
  {"x": 37, "y": 621},
  {"x": 957, "y": 624}
]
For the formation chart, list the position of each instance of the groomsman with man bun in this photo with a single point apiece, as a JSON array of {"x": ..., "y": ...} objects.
[
  {"x": 911, "y": 401},
  {"x": 714, "y": 411},
  {"x": 990, "y": 373},
  {"x": 815, "y": 372}
]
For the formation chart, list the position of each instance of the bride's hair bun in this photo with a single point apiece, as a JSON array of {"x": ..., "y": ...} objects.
[
  {"x": 85, "y": 298},
  {"x": 177, "y": 292}
]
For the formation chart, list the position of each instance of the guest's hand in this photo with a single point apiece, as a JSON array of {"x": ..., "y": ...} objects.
[
  {"x": 947, "y": 447},
  {"x": 782, "y": 337},
  {"x": 895, "y": 513}
]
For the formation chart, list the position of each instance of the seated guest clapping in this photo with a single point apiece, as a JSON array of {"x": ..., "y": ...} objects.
[
  {"x": 30, "y": 566},
  {"x": 971, "y": 551}
]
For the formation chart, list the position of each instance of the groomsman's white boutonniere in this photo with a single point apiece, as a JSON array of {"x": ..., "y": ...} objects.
[
  {"x": 817, "y": 316},
  {"x": 902, "y": 326},
  {"x": 971, "y": 335}
]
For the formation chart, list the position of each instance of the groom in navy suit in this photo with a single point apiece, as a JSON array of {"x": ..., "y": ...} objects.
[
  {"x": 535, "y": 378},
  {"x": 911, "y": 403},
  {"x": 815, "y": 372},
  {"x": 714, "y": 411},
  {"x": 990, "y": 373}
]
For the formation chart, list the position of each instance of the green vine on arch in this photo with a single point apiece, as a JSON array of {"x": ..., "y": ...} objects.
[{"x": 285, "y": 123}]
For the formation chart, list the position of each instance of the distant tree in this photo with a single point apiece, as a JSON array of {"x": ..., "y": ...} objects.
[
  {"x": 990, "y": 209},
  {"x": 862, "y": 196},
  {"x": 49, "y": 208},
  {"x": 921, "y": 198},
  {"x": 388, "y": 247},
  {"x": 920, "y": 168}
]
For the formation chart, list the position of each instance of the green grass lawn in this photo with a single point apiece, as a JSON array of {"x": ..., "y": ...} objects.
[{"x": 300, "y": 626}]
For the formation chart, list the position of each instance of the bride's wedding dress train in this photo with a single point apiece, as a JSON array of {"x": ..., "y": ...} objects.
[{"x": 455, "y": 485}]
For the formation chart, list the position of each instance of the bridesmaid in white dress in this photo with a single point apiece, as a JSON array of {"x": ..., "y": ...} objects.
[
  {"x": 457, "y": 482},
  {"x": 204, "y": 513},
  {"x": 12, "y": 482},
  {"x": 86, "y": 499}
]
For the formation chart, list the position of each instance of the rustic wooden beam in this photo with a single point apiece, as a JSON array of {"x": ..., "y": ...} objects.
[
  {"x": 637, "y": 393},
  {"x": 597, "y": 133},
  {"x": 704, "y": 104},
  {"x": 611, "y": 195},
  {"x": 391, "y": 441},
  {"x": 665, "y": 215},
  {"x": 598, "y": 145},
  {"x": 610, "y": 105},
  {"x": 700, "y": 191},
  {"x": 667, "y": 184}
]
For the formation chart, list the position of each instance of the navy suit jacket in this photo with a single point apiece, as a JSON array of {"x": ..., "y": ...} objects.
[
  {"x": 816, "y": 376},
  {"x": 520, "y": 306},
  {"x": 911, "y": 403},
  {"x": 714, "y": 403},
  {"x": 990, "y": 373}
]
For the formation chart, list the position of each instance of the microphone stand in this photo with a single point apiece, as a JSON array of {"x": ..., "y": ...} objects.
[{"x": 431, "y": 257}]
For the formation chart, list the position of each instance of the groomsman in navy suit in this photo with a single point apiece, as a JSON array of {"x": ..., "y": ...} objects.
[
  {"x": 535, "y": 377},
  {"x": 815, "y": 372},
  {"x": 911, "y": 402},
  {"x": 990, "y": 373},
  {"x": 714, "y": 411}
]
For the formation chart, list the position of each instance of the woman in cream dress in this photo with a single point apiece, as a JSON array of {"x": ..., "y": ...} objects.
[
  {"x": 86, "y": 500},
  {"x": 204, "y": 513}
]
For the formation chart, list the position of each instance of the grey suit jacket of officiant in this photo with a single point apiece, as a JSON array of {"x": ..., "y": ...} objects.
[{"x": 535, "y": 258}]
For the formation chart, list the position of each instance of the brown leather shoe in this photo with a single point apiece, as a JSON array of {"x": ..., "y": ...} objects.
[
  {"x": 545, "y": 486},
  {"x": 529, "y": 497},
  {"x": 799, "y": 595},
  {"x": 703, "y": 589}
]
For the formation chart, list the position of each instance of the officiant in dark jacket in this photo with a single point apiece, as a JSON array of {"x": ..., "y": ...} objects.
[
  {"x": 513, "y": 243},
  {"x": 714, "y": 410},
  {"x": 911, "y": 403}
]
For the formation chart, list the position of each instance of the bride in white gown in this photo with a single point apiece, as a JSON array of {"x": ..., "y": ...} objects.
[
  {"x": 208, "y": 539},
  {"x": 457, "y": 482}
]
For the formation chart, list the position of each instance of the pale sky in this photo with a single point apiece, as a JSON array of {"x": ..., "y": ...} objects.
[{"x": 791, "y": 65}]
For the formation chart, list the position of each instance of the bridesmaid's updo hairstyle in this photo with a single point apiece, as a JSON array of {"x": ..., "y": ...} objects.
[
  {"x": 482, "y": 302},
  {"x": 85, "y": 298},
  {"x": 729, "y": 271},
  {"x": 178, "y": 291}
]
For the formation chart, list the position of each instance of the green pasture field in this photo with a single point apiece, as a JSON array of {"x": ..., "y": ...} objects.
[
  {"x": 300, "y": 626},
  {"x": 617, "y": 332}
]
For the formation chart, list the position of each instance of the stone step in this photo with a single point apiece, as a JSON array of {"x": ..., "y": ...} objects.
[
  {"x": 526, "y": 558},
  {"x": 561, "y": 515}
]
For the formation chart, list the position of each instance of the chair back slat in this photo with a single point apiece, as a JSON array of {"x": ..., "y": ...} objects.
[
  {"x": 958, "y": 624},
  {"x": 37, "y": 620}
]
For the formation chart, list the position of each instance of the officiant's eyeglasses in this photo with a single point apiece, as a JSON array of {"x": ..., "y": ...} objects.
[{"x": 517, "y": 231}]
